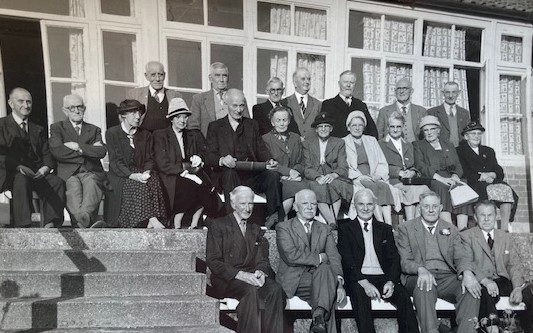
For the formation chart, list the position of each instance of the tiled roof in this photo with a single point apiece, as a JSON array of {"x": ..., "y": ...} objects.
[{"x": 514, "y": 5}]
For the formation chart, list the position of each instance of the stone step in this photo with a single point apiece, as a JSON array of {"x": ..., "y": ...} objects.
[
  {"x": 192, "y": 329},
  {"x": 96, "y": 261},
  {"x": 59, "y": 283},
  {"x": 102, "y": 239},
  {"x": 111, "y": 312}
]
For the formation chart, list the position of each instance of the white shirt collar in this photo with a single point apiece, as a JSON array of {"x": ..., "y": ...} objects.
[
  {"x": 486, "y": 234},
  {"x": 131, "y": 132},
  {"x": 234, "y": 123},
  {"x": 449, "y": 108},
  {"x": 19, "y": 120},
  {"x": 299, "y": 97},
  {"x": 345, "y": 99},
  {"x": 427, "y": 225},
  {"x": 178, "y": 134},
  {"x": 74, "y": 124},
  {"x": 304, "y": 222},
  {"x": 160, "y": 92},
  {"x": 362, "y": 223},
  {"x": 407, "y": 106},
  {"x": 237, "y": 217}
]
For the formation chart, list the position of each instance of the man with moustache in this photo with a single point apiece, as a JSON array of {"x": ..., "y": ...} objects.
[
  {"x": 310, "y": 265},
  {"x": 371, "y": 265},
  {"x": 411, "y": 112},
  {"x": 340, "y": 106},
  {"x": 154, "y": 96},
  {"x": 304, "y": 107},
  {"x": 434, "y": 264},
  {"x": 237, "y": 255},
  {"x": 210, "y": 105}
]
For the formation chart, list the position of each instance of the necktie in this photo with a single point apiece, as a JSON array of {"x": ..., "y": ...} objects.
[
  {"x": 302, "y": 105},
  {"x": 490, "y": 240},
  {"x": 430, "y": 229},
  {"x": 221, "y": 97},
  {"x": 156, "y": 97},
  {"x": 24, "y": 127},
  {"x": 348, "y": 101},
  {"x": 404, "y": 110},
  {"x": 365, "y": 226},
  {"x": 130, "y": 136},
  {"x": 404, "y": 130},
  {"x": 452, "y": 111},
  {"x": 308, "y": 230},
  {"x": 78, "y": 129},
  {"x": 242, "y": 225}
]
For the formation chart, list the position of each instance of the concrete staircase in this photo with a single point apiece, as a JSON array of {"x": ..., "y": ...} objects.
[{"x": 72, "y": 280}]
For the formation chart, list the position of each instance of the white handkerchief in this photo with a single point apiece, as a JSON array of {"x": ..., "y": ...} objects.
[{"x": 194, "y": 178}]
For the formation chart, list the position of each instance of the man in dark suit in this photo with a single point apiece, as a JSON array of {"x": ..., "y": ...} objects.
[
  {"x": 235, "y": 138},
  {"x": 26, "y": 162},
  {"x": 452, "y": 117},
  {"x": 210, "y": 105},
  {"x": 310, "y": 265},
  {"x": 78, "y": 148},
  {"x": 237, "y": 255},
  {"x": 411, "y": 112},
  {"x": 340, "y": 106},
  {"x": 304, "y": 107},
  {"x": 154, "y": 96},
  {"x": 371, "y": 265},
  {"x": 435, "y": 264},
  {"x": 274, "y": 89},
  {"x": 496, "y": 264}
]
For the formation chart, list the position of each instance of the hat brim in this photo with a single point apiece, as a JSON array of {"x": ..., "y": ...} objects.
[{"x": 178, "y": 112}]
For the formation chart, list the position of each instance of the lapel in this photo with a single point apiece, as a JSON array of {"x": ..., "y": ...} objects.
[
  {"x": 420, "y": 237},
  {"x": 408, "y": 154},
  {"x": 310, "y": 106},
  {"x": 209, "y": 103},
  {"x": 443, "y": 117},
  {"x": 86, "y": 132},
  {"x": 444, "y": 243},
  {"x": 498, "y": 246},
  {"x": 316, "y": 235},
  {"x": 392, "y": 148},
  {"x": 13, "y": 128},
  {"x": 227, "y": 133},
  {"x": 292, "y": 102},
  {"x": 342, "y": 105},
  {"x": 357, "y": 233},
  {"x": 298, "y": 229},
  {"x": 33, "y": 135},
  {"x": 70, "y": 131},
  {"x": 174, "y": 145},
  {"x": 282, "y": 146},
  {"x": 377, "y": 236},
  {"x": 329, "y": 147},
  {"x": 484, "y": 245}
]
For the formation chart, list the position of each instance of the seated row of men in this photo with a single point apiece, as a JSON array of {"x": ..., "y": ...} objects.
[{"x": 429, "y": 259}]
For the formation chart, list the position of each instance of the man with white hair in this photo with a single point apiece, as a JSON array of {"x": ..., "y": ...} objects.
[{"x": 237, "y": 255}]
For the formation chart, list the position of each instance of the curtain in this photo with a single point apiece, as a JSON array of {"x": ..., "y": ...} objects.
[
  {"x": 316, "y": 64},
  {"x": 278, "y": 66},
  {"x": 77, "y": 8},
  {"x": 371, "y": 81},
  {"x": 459, "y": 46},
  {"x": 459, "y": 76},
  {"x": 511, "y": 115},
  {"x": 395, "y": 72},
  {"x": 77, "y": 61},
  {"x": 310, "y": 22},
  {"x": 280, "y": 19},
  {"x": 398, "y": 37},
  {"x": 437, "y": 42},
  {"x": 371, "y": 33},
  {"x": 511, "y": 49},
  {"x": 434, "y": 80}
]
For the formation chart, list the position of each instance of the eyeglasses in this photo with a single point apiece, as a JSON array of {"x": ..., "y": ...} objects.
[
  {"x": 273, "y": 91},
  {"x": 74, "y": 108},
  {"x": 402, "y": 88}
]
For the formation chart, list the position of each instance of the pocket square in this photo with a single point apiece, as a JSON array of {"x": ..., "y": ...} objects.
[
  {"x": 385, "y": 241},
  {"x": 506, "y": 252}
]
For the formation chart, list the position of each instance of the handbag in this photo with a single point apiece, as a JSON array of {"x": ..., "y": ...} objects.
[{"x": 462, "y": 194}]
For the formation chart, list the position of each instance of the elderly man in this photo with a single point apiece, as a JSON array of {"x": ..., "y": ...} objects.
[
  {"x": 234, "y": 139},
  {"x": 435, "y": 264},
  {"x": 26, "y": 162},
  {"x": 340, "y": 106},
  {"x": 210, "y": 105},
  {"x": 452, "y": 117},
  {"x": 304, "y": 107},
  {"x": 78, "y": 148},
  {"x": 274, "y": 89},
  {"x": 310, "y": 265},
  {"x": 496, "y": 263},
  {"x": 155, "y": 97},
  {"x": 411, "y": 112},
  {"x": 237, "y": 255},
  {"x": 371, "y": 266}
]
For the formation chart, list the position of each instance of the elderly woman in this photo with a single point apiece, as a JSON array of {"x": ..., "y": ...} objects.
[
  {"x": 437, "y": 160},
  {"x": 286, "y": 148},
  {"x": 326, "y": 168},
  {"x": 400, "y": 157},
  {"x": 368, "y": 166},
  {"x": 178, "y": 155},
  {"x": 484, "y": 174},
  {"x": 136, "y": 199}
]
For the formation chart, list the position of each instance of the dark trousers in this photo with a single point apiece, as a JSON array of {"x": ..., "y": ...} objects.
[
  {"x": 188, "y": 195},
  {"x": 525, "y": 316},
  {"x": 252, "y": 300},
  {"x": 487, "y": 303},
  {"x": 84, "y": 194},
  {"x": 363, "y": 311},
  {"x": 318, "y": 287},
  {"x": 267, "y": 182},
  {"x": 51, "y": 191}
]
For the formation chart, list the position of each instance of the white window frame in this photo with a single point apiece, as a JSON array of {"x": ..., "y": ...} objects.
[{"x": 134, "y": 17}]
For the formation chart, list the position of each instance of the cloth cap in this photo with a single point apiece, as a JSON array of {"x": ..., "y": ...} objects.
[
  {"x": 429, "y": 120},
  {"x": 355, "y": 114},
  {"x": 176, "y": 107}
]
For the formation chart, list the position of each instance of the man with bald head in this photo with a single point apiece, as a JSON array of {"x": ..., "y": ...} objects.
[
  {"x": 78, "y": 147},
  {"x": 234, "y": 139},
  {"x": 26, "y": 163},
  {"x": 154, "y": 96},
  {"x": 237, "y": 255},
  {"x": 411, "y": 112}
]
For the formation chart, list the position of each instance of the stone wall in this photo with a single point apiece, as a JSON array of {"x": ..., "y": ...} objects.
[{"x": 519, "y": 178}]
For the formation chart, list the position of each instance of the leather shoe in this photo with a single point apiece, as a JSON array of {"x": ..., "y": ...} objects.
[{"x": 319, "y": 323}]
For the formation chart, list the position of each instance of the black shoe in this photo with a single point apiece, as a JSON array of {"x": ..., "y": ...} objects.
[{"x": 319, "y": 323}]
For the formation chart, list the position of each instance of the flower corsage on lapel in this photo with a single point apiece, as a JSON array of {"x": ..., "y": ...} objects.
[{"x": 445, "y": 232}]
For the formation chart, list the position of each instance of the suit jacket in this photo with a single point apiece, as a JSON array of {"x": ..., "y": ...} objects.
[
  {"x": 297, "y": 255},
  {"x": 203, "y": 111},
  {"x": 396, "y": 162},
  {"x": 168, "y": 157},
  {"x": 473, "y": 163},
  {"x": 242, "y": 145},
  {"x": 335, "y": 157},
  {"x": 141, "y": 94},
  {"x": 376, "y": 160},
  {"x": 463, "y": 118},
  {"x": 351, "y": 245},
  {"x": 502, "y": 259},
  {"x": 228, "y": 251},
  {"x": 289, "y": 155},
  {"x": 339, "y": 111},
  {"x": 69, "y": 161},
  {"x": 15, "y": 149},
  {"x": 411, "y": 246},
  {"x": 417, "y": 112},
  {"x": 303, "y": 122},
  {"x": 260, "y": 113},
  {"x": 428, "y": 160}
]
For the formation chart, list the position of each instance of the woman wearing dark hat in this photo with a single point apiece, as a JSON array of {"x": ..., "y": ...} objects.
[
  {"x": 437, "y": 160},
  {"x": 136, "y": 199},
  {"x": 326, "y": 168},
  {"x": 484, "y": 174},
  {"x": 179, "y": 155}
]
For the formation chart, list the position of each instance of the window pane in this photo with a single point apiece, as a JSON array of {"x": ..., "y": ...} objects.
[
  {"x": 184, "y": 63},
  {"x": 511, "y": 49},
  {"x": 231, "y": 56},
  {"x": 434, "y": 80},
  {"x": 113, "y": 96},
  {"x": 437, "y": 40},
  {"x": 60, "y": 90},
  {"x": 60, "y": 7},
  {"x": 225, "y": 13},
  {"x": 116, "y": 7},
  {"x": 273, "y": 18},
  {"x": 187, "y": 97},
  {"x": 368, "y": 83},
  {"x": 370, "y": 25},
  {"x": 309, "y": 22},
  {"x": 316, "y": 64},
  {"x": 119, "y": 56},
  {"x": 270, "y": 64},
  {"x": 512, "y": 129},
  {"x": 398, "y": 35},
  {"x": 467, "y": 44},
  {"x": 66, "y": 51},
  {"x": 186, "y": 11},
  {"x": 393, "y": 73}
]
